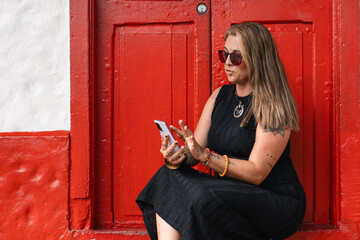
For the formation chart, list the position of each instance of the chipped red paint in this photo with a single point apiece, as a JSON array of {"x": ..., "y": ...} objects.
[{"x": 34, "y": 185}]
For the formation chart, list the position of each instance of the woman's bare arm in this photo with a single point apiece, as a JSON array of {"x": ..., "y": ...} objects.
[
  {"x": 268, "y": 147},
  {"x": 203, "y": 127}
]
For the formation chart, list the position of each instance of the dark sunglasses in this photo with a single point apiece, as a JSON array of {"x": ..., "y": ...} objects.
[{"x": 235, "y": 57}]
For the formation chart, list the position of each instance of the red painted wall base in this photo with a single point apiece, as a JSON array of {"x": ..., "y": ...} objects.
[
  {"x": 34, "y": 194},
  {"x": 34, "y": 185}
]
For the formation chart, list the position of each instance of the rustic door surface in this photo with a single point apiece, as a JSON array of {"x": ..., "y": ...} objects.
[
  {"x": 301, "y": 30},
  {"x": 152, "y": 61}
]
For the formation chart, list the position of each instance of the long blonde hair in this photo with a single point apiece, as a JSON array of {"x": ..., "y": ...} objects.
[{"x": 273, "y": 105}]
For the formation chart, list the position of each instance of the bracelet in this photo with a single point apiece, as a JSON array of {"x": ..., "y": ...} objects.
[
  {"x": 207, "y": 158},
  {"x": 169, "y": 166},
  {"x": 226, "y": 166}
]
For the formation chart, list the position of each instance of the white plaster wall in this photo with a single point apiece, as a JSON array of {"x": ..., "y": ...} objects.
[{"x": 34, "y": 65}]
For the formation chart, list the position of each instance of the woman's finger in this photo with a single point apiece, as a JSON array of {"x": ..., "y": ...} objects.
[
  {"x": 179, "y": 160},
  {"x": 164, "y": 143},
  {"x": 188, "y": 132},
  {"x": 168, "y": 152},
  {"x": 177, "y": 154},
  {"x": 182, "y": 125},
  {"x": 176, "y": 130}
]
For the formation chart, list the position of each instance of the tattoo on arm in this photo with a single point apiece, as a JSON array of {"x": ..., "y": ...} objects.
[
  {"x": 272, "y": 157},
  {"x": 218, "y": 157},
  {"x": 198, "y": 153},
  {"x": 281, "y": 130},
  {"x": 270, "y": 165},
  {"x": 214, "y": 155},
  {"x": 190, "y": 160}
]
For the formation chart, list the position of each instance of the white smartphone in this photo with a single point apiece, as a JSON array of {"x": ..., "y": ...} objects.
[{"x": 164, "y": 129}]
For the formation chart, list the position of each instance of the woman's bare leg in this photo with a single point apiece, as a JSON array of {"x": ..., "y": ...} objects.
[{"x": 165, "y": 231}]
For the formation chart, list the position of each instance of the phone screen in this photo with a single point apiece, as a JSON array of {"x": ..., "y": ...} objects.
[{"x": 164, "y": 129}]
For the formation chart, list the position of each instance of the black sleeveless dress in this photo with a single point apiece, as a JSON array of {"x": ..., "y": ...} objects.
[{"x": 201, "y": 206}]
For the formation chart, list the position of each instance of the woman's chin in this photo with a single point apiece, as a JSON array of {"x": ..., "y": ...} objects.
[{"x": 233, "y": 80}]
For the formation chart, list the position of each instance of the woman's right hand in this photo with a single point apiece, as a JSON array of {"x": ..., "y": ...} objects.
[{"x": 174, "y": 159}]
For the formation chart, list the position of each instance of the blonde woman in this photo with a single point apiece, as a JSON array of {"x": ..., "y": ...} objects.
[{"x": 256, "y": 193}]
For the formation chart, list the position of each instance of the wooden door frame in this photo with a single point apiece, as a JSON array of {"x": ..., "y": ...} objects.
[{"x": 81, "y": 188}]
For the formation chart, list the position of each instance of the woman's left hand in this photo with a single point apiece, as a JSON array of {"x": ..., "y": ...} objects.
[{"x": 185, "y": 134}]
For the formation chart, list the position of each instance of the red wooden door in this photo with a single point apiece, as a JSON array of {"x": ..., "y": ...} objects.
[
  {"x": 152, "y": 61},
  {"x": 302, "y": 32}
]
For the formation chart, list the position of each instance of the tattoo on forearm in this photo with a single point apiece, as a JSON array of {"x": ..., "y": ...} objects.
[
  {"x": 281, "y": 130},
  {"x": 218, "y": 157},
  {"x": 270, "y": 165},
  {"x": 190, "y": 160},
  {"x": 214, "y": 155},
  {"x": 198, "y": 153}
]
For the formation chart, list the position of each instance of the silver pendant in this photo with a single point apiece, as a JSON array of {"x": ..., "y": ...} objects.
[{"x": 238, "y": 111}]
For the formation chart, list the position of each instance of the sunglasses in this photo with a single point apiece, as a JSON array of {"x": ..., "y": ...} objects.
[{"x": 235, "y": 57}]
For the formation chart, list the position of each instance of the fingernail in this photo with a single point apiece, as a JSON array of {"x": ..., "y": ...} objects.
[
  {"x": 171, "y": 126},
  {"x": 182, "y": 147}
]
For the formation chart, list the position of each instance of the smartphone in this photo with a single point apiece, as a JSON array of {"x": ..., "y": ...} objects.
[{"x": 164, "y": 129}]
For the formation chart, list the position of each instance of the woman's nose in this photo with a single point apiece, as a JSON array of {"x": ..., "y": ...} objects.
[{"x": 228, "y": 60}]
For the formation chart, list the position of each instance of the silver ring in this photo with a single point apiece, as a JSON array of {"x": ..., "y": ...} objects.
[
  {"x": 168, "y": 154},
  {"x": 163, "y": 147}
]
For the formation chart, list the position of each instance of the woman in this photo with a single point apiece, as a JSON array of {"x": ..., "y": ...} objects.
[{"x": 247, "y": 125}]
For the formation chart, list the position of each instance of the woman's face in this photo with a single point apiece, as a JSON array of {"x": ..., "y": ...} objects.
[{"x": 237, "y": 74}]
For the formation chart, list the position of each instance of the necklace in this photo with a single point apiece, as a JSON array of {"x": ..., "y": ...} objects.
[{"x": 239, "y": 109}]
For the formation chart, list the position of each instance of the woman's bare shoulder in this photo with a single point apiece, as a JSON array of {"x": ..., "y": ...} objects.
[{"x": 215, "y": 93}]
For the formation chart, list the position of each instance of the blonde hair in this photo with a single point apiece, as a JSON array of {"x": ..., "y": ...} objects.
[{"x": 273, "y": 105}]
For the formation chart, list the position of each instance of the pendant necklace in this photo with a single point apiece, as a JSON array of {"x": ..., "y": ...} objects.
[{"x": 239, "y": 109}]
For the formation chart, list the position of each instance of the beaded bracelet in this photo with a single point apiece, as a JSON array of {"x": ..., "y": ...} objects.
[
  {"x": 226, "y": 166},
  {"x": 207, "y": 158}
]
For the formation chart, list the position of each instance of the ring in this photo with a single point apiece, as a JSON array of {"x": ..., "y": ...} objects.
[
  {"x": 163, "y": 147},
  {"x": 168, "y": 154}
]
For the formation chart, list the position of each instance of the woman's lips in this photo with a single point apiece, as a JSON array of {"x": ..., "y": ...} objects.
[{"x": 229, "y": 72}]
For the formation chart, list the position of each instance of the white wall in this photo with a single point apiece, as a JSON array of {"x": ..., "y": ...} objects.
[{"x": 34, "y": 65}]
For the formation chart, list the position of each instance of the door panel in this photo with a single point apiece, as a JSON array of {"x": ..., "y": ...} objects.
[
  {"x": 301, "y": 32},
  {"x": 293, "y": 40},
  {"x": 151, "y": 82},
  {"x": 152, "y": 61}
]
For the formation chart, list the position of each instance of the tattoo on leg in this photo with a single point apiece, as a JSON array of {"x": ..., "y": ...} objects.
[{"x": 281, "y": 130}]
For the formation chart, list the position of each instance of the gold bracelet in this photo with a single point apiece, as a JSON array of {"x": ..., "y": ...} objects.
[
  {"x": 226, "y": 166},
  {"x": 169, "y": 166}
]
